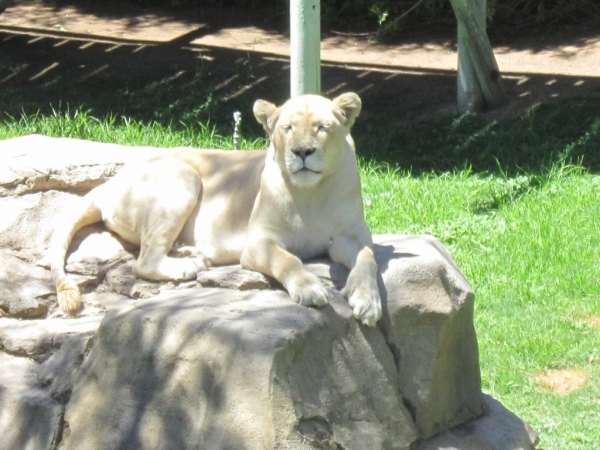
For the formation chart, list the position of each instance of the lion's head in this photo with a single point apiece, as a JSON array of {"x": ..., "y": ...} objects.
[{"x": 308, "y": 133}]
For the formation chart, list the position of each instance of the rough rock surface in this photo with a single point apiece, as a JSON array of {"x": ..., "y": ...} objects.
[
  {"x": 497, "y": 429},
  {"x": 29, "y": 418},
  {"x": 428, "y": 324},
  {"x": 228, "y": 369},
  {"x": 228, "y": 360}
]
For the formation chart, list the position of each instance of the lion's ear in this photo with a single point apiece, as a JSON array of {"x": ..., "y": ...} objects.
[
  {"x": 350, "y": 105},
  {"x": 266, "y": 114}
]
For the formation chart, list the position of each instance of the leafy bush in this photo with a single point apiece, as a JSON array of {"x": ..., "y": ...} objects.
[{"x": 390, "y": 15}]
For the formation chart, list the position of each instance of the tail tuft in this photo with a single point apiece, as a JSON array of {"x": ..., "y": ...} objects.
[{"x": 69, "y": 297}]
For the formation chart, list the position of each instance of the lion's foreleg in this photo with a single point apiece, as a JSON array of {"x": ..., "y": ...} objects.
[
  {"x": 268, "y": 257},
  {"x": 361, "y": 287}
]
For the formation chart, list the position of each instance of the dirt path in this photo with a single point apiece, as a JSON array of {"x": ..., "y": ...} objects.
[{"x": 409, "y": 80}]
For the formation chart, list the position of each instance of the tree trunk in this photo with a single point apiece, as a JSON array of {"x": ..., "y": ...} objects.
[{"x": 479, "y": 80}]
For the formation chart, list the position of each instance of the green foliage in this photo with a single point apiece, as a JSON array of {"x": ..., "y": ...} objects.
[
  {"x": 527, "y": 13},
  {"x": 373, "y": 14},
  {"x": 82, "y": 124},
  {"x": 491, "y": 195},
  {"x": 160, "y": 97}
]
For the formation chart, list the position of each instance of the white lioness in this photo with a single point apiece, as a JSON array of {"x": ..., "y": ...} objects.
[{"x": 268, "y": 210}]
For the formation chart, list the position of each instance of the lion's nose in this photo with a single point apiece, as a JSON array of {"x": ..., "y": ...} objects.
[{"x": 303, "y": 152}]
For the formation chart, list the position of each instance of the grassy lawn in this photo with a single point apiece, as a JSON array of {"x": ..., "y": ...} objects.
[{"x": 517, "y": 203}]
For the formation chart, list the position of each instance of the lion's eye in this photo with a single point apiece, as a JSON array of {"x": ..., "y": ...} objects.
[
  {"x": 287, "y": 128},
  {"x": 322, "y": 129}
]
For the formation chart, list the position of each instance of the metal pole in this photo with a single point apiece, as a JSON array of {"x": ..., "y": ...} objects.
[{"x": 305, "y": 47}]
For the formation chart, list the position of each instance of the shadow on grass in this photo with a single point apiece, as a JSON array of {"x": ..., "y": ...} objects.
[{"x": 531, "y": 142}]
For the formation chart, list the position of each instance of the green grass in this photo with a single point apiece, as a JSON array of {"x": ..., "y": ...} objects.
[
  {"x": 516, "y": 202},
  {"x": 530, "y": 143},
  {"x": 533, "y": 264},
  {"x": 118, "y": 129}
]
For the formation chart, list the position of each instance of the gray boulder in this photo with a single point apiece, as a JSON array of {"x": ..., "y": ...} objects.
[
  {"x": 428, "y": 325},
  {"x": 226, "y": 369},
  {"x": 20, "y": 224},
  {"x": 497, "y": 429},
  {"x": 26, "y": 290},
  {"x": 226, "y": 361},
  {"x": 39, "y": 163},
  {"x": 29, "y": 418}
]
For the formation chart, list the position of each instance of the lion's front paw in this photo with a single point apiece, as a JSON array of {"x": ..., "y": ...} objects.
[
  {"x": 308, "y": 290},
  {"x": 365, "y": 304}
]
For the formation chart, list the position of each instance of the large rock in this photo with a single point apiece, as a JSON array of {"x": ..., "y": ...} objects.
[
  {"x": 20, "y": 224},
  {"x": 227, "y": 360},
  {"x": 26, "y": 290},
  {"x": 428, "y": 324},
  {"x": 29, "y": 418},
  {"x": 40, "y": 339},
  {"x": 224, "y": 369},
  {"x": 497, "y": 429},
  {"x": 58, "y": 373},
  {"x": 38, "y": 163}
]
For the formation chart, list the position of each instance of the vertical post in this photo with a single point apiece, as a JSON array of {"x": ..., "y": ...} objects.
[{"x": 305, "y": 47}]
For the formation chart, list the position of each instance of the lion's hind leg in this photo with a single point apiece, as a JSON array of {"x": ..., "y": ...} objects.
[
  {"x": 175, "y": 199},
  {"x": 181, "y": 262},
  {"x": 182, "y": 251}
]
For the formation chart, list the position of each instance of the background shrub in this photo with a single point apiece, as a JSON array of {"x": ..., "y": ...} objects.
[{"x": 387, "y": 16}]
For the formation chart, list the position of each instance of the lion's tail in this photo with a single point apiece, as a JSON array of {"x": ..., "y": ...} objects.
[{"x": 84, "y": 213}]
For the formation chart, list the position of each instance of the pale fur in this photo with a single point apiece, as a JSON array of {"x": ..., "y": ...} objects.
[{"x": 268, "y": 210}]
